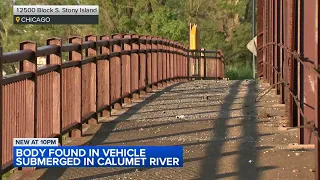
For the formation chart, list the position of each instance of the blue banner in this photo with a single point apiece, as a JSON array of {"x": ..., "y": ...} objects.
[{"x": 98, "y": 156}]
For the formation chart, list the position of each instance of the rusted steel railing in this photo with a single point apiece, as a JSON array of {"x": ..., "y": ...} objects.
[
  {"x": 288, "y": 59},
  {"x": 101, "y": 74},
  {"x": 206, "y": 64}
]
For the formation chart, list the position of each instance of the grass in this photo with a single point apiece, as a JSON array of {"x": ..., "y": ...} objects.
[
  {"x": 7, "y": 175},
  {"x": 238, "y": 72}
]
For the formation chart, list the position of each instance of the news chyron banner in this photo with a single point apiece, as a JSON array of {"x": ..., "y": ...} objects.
[
  {"x": 46, "y": 153},
  {"x": 56, "y": 14}
]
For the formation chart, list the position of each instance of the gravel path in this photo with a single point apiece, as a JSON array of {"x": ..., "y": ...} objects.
[{"x": 225, "y": 134}]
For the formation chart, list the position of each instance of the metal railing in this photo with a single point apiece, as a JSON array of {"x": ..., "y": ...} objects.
[
  {"x": 288, "y": 59},
  {"x": 100, "y": 74}
]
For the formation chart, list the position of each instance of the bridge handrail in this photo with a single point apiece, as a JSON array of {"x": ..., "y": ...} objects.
[{"x": 100, "y": 74}]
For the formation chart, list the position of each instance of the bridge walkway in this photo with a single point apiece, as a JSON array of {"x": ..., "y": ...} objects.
[{"x": 224, "y": 132}]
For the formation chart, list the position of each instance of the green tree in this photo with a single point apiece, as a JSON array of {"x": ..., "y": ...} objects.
[{"x": 223, "y": 24}]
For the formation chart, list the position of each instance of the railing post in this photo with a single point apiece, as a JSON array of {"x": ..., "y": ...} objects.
[
  {"x": 167, "y": 49},
  {"x": 205, "y": 66},
  {"x": 264, "y": 52},
  {"x": 174, "y": 62},
  {"x": 188, "y": 64},
  {"x": 143, "y": 83},
  {"x": 103, "y": 80},
  {"x": 31, "y": 100},
  {"x": 183, "y": 59},
  {"x": 215, "y": 62},
  {"x": 135, "y": 66},
  {"x": 149, "y": 64},
  {"x": 126, "y": 69},
  {"x": 171, "y": 61},
  {"x": 181, "y": 62},
  {"x": 89, "y": 83},
  {"x": 202, "y": 63},
  {"x": 160, "y": 59},
  {"x": 154, "y": 62},
  {"x": 280, "y": 53},
  {"x": 1, "y": 105},
  {"x": 31, "y": 90},
  {"x": 178, "y": 63},
  {"x": 317, "y": 112},
  {"x": 116, "y": 72},
  {"x": 56, "y": 59},
  {"x": 222, "y": 64},
  {"x": 185, "y": 71},
  {"x": 219, "y": 65},
  {"x": 164, "y": 62},
  {"x": 76, "y": 89}
]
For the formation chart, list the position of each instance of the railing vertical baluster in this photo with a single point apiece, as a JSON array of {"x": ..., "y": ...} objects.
[
  {"x": 317, "y": 92},
  {"x": 178, "y": 62},
  {"x": 202, "y": 63},
  {"x": 174, "y": 61},
  {"x": 317, "y": 114},
  {"x": 91, "y": 78},
  {"x": 222, "y": 64},
  {"x": 143, "y": 83},
  {"x": 135, "y": 67},
  {"x": 216, "y": 64},
  {"x": 219, "y": 65},
  {"x": 73, "y": 104},
  {"x": 116, "y": 72},
  {"x": 57, "y": 87},
  {"x": 149, "y": 64},
  {"x": 164, "y": 62},
  {"x": 184, "y": 64},
  {"x": 154, "y": 63},
  {"x": 126, "y": 61},
  {"x": 182, "y": 61},
  {"x": 188, "y": 64},
  {"x": 29, "y": 129},
  {"x": 31, "y": 101},
  {"x": 159, "y": 63},
  {"x": 103, "y": 80},
  {"x": 171, "y": 61},
  {"x": 167, "y": 48},
  {"x": 1, "y": 113}
]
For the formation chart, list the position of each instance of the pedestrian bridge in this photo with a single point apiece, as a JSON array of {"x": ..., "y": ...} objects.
[
  {"x": 128, "y": 89},
  {"x": 224, "y": 132}
]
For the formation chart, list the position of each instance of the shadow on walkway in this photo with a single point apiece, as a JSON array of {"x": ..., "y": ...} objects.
[
  {"x": 106, "y": 129},
  {"x": 247, "y": 153}
]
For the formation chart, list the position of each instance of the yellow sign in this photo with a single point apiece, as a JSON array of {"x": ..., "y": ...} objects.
[
  {"x": 17, "y": 19},
  {"x": 193, "y": 37}
]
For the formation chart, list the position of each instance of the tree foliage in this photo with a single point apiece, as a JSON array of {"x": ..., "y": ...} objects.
[{"x": 224, "y": 24}]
